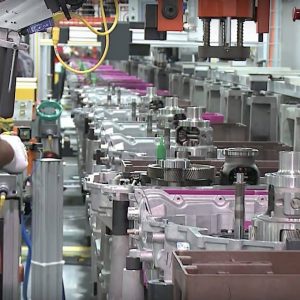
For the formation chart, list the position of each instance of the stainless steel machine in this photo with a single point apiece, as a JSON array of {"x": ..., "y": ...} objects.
[{"x": 184, "y": 166}]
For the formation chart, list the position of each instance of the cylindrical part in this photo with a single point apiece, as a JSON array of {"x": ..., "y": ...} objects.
[
  {"x": 91, "y": 147},
  {"x": 159, "y": 290},
  {"x": 120, "y": 222},
  {"x": 149, "y": 123},
  {"x": 221, "y": 32},
  {"x": 10, "y": 223},
  {"x": 289, "y": 162},
  {"x": 119, "y": 252},
  {"x": 167, "y": 140},
  {"x": 119, "y": 248},
  {"x": 296, "y": 14},
  {"x": 105, "y": 261},
  {"x": 119, "y": 96},
  {"x": 133, "y": 112},
  {"x": 47, "y": 230},
  {"x": 194, "y": 112},
  {"x": 240, "y": 33},
  {"x": 151, "y": 91},
  {"x": 113, "y": 90},
  {"x": 228, "y": 32},
  {"x": 171, "y": 101},
  {"x": 206, "y": 32},
  {"x": 109, "y": 99},
  {"x": 133, "y": 288},
  {"x": 239, "y": 209}
]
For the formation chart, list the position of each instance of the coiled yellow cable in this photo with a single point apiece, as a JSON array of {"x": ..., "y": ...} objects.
[{"x": 55, "y": 38}]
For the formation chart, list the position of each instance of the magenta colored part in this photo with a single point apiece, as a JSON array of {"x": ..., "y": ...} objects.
[
  {"x": 214, "y": 118},
  {"x": 140, "y": 91},
  {"x": 164, "y": 93},
  {"x": 119, "y": 77},
  {"x": 211, "y": 192},
  {"x": 247, "y": 224},
  {"x": 111, "y": 73},
  {"x": 134, "y": 86}
]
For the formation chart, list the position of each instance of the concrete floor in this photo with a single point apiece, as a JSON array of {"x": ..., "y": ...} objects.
[{"x": 77, "y": 270}]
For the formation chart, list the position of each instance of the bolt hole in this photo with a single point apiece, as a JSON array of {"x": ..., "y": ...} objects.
[{"x": 170, "y": 10}]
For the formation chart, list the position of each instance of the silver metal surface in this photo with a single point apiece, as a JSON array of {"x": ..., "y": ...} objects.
[
  {"x": 119, "y": 251},
  {"x": 167, "y": 116},
  {"x": 239, "y": 210},
  {"x": 214, "y": 212},
  {"x": 288, "y": 175},
  {"x": 263, "y": 116},
  {"x": 133, "y": 286},
  {"x": 173, "y": 221},
  {"x": 124, "y": 147},
  {"x": 9, "y": 214},
  {"x": 194, "y": 135},
  {"x": 134, "y": 129},
  {"x": 47, "y": 230},
  {"x": 228, "y": 31},
  {"x": 284, "y": 205},
  {"x": 15, "y": 15},
  {"x": 11, "y": 251},
  {"x": 240, "y": 152},
  {"x": 289, "y": 125},
  {"x": 180, "y": 172}
]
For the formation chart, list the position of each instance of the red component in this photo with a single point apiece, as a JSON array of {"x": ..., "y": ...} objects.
[
  {"x": 164, "y": 24},
  {"x": 49, "y": 154},
  {"x": 226, "y": 8},
  {"x": 94, "y": 21},
  {"x": 296, "y": 14},
  {"x": 263, "y": 16}
]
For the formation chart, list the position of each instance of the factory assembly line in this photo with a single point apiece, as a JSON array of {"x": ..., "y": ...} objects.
[{"x": 174, "y": 124}]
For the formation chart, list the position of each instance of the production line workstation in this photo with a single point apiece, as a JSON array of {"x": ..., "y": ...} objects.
[{"x": 189, "y": 170}]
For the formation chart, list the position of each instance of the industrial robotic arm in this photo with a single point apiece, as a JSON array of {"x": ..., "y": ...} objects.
[{"x": 18, "y": 16}]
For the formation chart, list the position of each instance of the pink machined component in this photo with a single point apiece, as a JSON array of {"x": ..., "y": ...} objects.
[{"x": 214, "y": 118}]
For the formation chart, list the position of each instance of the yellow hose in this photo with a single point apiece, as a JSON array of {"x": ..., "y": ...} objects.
[
  {"x": 6, "y": 125},
  {"x": 2, "y": 200},
  {"x": 55, "y": 38}
]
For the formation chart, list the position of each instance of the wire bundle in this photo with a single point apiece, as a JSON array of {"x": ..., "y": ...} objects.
[{"x": 106, "y": 33}]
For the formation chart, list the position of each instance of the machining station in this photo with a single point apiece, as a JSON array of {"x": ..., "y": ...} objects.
[{"x": 149, "y": 149}]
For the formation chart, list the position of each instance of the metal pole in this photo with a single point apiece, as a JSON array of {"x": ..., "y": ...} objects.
[
  {"x": 47, "y": 230},
  {"x": 167, "y": 139},
  {"x": 133, "y": 287},
  {"x": 11, "y": 251},
  {"x": 119, "y": 93},
  {"x": 133, "y": 107},
  {"x": 239, "y": 209},
  {"x": 119, "y": 248},
  {"x": 9, "y": 237},
  {"x": 109, "y": 99},
  {"x": 228, "y": 31},
  {"x": 206, "y": 32},
  {"x": 240, "y": 33},
  {"x": 222, "y": 32},
  {"x": 149, "y": 124}
]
